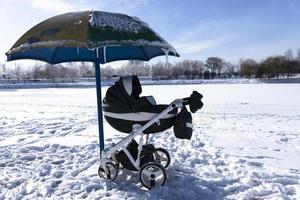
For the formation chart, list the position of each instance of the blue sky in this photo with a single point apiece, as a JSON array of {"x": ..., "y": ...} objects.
[{"x": 231, "y": 29}]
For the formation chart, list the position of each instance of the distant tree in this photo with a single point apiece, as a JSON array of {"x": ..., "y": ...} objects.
[
  {"x": 278, "y": 63},
  {"x": 260, "y": 71},
  {"x": 214, "y": 64},
  {"x": 159, "y": 69},
  {"x": 176, "y": 71},
  {"x": 229, "y": 69},
  {"x": 52, "y": 72},
  {"x": 28, "y": 74},
  {"x": 206, "y": 75},
  {"x": 62, "y": 72},
  {"x": 2, "y": 69},
  {"x": 17, "y": 72},
  {"x": 290, "y": 67},
  {"x": 213, "y": 75},
  {"x": 73, "y": 71},
  {"x": 268, "y": 67},
  {"x": 107, "y": 72},
  {"x": 136, "y": 62},
  {"x": 86, "y": 70},
  {"x": 298, "y": 55},
  {"x": 187, "y": 74},
  {"x": 36, "y": 72},
  {"x": 298, "y": 60},
  {"x": 197, "y": 68},
  {"x": 248, "y": 67},
  {"x": 289, "y": 55}
]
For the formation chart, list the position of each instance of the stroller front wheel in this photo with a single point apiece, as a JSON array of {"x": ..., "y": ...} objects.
[
  {"x": 110, "y": 173},
  {"x": 152, "y": 175}
]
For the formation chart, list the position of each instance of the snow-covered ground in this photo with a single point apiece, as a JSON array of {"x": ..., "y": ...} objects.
[{"x": 246, "y": 145}]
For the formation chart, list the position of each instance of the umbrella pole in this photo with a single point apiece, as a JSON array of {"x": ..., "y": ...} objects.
[{"x": 99, "y": 106}]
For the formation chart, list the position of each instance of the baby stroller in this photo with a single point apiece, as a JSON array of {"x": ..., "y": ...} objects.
[{"x": 127, "y": 112}]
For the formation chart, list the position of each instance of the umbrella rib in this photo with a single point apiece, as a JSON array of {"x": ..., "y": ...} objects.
[
  {"x": 144, "y": 52},
  {"x": 54, "y": 54}
]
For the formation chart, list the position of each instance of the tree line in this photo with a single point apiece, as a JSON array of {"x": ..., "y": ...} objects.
[
  {"x": 189, "y": 69},
  {"x": 272, "y": 67},
  {"x": 213, "y": 67}
]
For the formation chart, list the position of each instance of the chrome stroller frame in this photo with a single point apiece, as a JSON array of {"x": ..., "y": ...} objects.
[{"x": 108, "y": 165}]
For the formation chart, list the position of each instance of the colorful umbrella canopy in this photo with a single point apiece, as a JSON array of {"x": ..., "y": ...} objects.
[{"x": 90, "y": 36}]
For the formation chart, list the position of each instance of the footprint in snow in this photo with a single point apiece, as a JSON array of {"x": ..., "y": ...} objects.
[
  {"x": 256, "y": 164},
  {"x": 66, "y": 128}
]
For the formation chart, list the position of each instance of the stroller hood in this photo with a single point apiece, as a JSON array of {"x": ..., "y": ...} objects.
[{"x": 124, "y": 93}]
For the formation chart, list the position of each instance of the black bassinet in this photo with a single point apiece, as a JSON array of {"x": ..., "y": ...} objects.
[{"x": 123, "y": 107}]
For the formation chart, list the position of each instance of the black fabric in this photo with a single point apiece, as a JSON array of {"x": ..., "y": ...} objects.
[
  {"x": 125, "y": 126},
  {"x": 195, "y": 101},
  {"x": 150, "y": 108},
  {"x": 117, "y": 97},
  {"x": 132, "y": 147},
  {"x": 145, "y": 157},
  {"x": 136, "y": 87},
  {"x": 147, "y": 154},
  {"x": 120, "y": 101},
  {"x": 181, "y": 130}
]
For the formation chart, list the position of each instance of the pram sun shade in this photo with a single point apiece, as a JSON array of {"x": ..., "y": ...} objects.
[{"x": 123, "y": 107}]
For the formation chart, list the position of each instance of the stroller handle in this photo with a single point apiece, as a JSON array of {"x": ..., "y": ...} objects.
[{"x": 194, "y": 101}]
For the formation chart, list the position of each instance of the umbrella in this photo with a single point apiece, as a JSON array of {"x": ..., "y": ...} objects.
[{"x": 91, "y": 36}]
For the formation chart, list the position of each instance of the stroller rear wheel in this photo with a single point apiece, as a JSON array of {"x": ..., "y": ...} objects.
[
  {"x": 111, "y": 173},
  {"x": 162, "y": 156},
  {"x": 152, "y": 175}
]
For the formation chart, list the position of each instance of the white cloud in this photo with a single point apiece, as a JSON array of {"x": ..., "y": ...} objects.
[
  {"x": 207, "y": 34},
  {"x": 196, "y": 46},
  {"x": 52, "y": 6},
  {"x": 119, "y": 5},
  {"x": 61, "y": 6}
]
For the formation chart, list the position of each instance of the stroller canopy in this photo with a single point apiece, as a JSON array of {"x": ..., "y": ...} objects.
[{"x": 124, "y": 96}]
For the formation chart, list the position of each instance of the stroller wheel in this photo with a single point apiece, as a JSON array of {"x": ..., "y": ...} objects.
[
  {"x": 111, "y": 173},
  {"x": 162, "y": 156},
  {"x": 152, "y": 175}
]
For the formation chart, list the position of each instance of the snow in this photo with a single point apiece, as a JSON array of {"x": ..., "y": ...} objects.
[
  {"x": 125, "y": 24},
  {"x": 118, "y": 22},
  {"x": 246, "y": 144}
]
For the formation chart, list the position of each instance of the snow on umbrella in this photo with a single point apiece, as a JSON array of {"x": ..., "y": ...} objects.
[{"x": 92, "y": 36}]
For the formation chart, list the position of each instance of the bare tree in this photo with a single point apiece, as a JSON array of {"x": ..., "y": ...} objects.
[
  {"x": 298, "y": 55},
  {"x": 290, "y": 67},
  {"x": 2, "y": 70},
  {"x": 248, "y": 67},
  {"x": 62, "y": 72},
  {"x": 17, "y": 72},
  {"x": 52, "y": 72},
  {"x": 86, "y": 70},
  {"x": 72, "y": 71},
  {"x": 267, "y": 66},
  {"x": 27, "y": 74},
  {"x": 214, "y": 64},
  {"x": 36, "y": 72},
  {"x": 107, "y": 72},
  {"x": 159, "y": 69},
  {"x": 289, "y": 55}
]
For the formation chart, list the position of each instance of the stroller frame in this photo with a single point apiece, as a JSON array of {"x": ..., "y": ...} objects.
[{"x": 137, "y": 130}]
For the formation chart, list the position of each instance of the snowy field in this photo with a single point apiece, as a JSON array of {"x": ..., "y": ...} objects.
[{"x": 246, "y": 145}]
